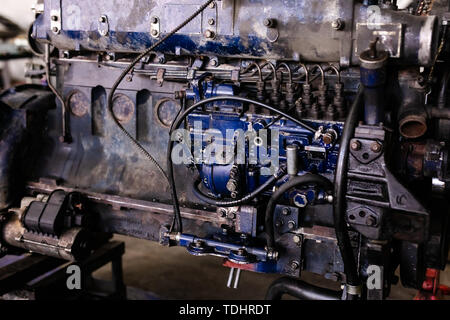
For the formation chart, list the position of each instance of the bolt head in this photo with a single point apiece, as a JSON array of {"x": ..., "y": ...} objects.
[
  {"x": 211, "y": 21},
  {"x": 376, "y": 147},
  {"x": 54, "y": 18},
  {"x": 154, "y": 20},
  {"x": 294, "y": 265},
  {"x": 371, "y": 221},
  {"x": 337, "y": 24},
  {"x": 55, "y": 29},
  {"x": 291, "y": 225},
  {"x": 355, "y": 145},
  {"x": 222, "y": 212},
  {"x": 154, "y": 32},
  {"x": 286, "y": 211},
  {"x": 209, "y": 34},
  {"x": 212, "y": 5},
  {"x": 102, "y": 19}
]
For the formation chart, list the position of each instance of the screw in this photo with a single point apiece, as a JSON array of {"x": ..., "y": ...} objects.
[
  {"x": 278, "y": 223},
  {"x": 294, "y": 265},
  {"x": 209, "y": 34},
  {"x": 286, "y": 211},
  {"x": 222, "y": 212},
  {"x": 55, "y": 29},
  {"x": 155, "y": 20},
  {"x": 371, "y": 221},
  {"x": 291, "y": 225},
  {"x": 102, "y": 19},
  {"x": 337, "y": 24},
  {"x": 154, "y": 32},
  {"x": 355, "y": 145},
  {"x": 296, "y": 239},
  {"x": 268, "y": 22},
  {"x": 375, "y": 147},
  {"x": 212, "y": 5},
  {"x": 54, "y": 18},
  {"x": 211, "y": 21},
  {"x": 213, "y": 63}
]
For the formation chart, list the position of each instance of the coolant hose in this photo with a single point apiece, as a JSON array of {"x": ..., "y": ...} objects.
[
  {"x": 340, "y": 190},
  {"x": 300, "y": 290}
]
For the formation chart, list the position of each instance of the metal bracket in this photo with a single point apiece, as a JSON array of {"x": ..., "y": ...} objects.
[
  {"x": 55, "y": 21},
  {"x": 103, "y": 25},
  {"x": 155, "y": 27},
  {"x": 160, "y": 76}
]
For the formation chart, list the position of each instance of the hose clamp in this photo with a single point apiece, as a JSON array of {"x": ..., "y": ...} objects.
[{"x": 353, "y": 290}]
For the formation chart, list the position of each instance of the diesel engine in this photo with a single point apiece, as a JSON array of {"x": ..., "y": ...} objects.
[{"x": 282, "y": 136}]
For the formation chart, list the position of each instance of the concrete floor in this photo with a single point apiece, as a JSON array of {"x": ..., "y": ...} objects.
[{"x": 171, "y": 273}]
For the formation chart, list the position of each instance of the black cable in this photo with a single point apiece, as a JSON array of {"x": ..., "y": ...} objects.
[
  {"x": 120, "y": 79},
  {"x": 176, "y": 124},
  {"x": 297, "y": 181},
  {"x": 232, "y": 203},
  {"x": 340, "y": 190}
]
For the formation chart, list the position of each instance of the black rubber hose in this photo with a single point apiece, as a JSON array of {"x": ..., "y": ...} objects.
[
  {"x": 436, "y": 112},
  {"x": 296, "y": 181},
  {"x": 340, "y": 189},
  {"x": 232, "y": 203},
  {"x": 300, "y": 290},
  {"x": 176, "y": 124}
]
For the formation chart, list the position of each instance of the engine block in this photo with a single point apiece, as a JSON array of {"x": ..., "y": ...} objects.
[{"x": 283, "y": 135}]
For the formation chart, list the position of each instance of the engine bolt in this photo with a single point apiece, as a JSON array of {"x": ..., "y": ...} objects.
[
  {"x": 297, "y": 239},
  {"x": 102, "y": 19},
  {"x": 269, "y": 23},
  {"x": 371, "y": 221},
  {"x": 212, "y": 5},
  {"x": 54, "y": 18},
  {"x": 294, "y": 265},
  {"x": 154, "y": 32},
  {"x": 355, "y": 145},
  {"x": 286, "y": 211},
  {"x": 155, "y": 20},
  {"x": 209, "y": 34},
  {"x": 376, "y": 147},
  {"x": 55, "y": 29},
  {"x": 211, "y": 22},
  {"x": 222, "y": 212},
  {"x": 291, "y": 225},
  {"x": 337, "y": 24}
]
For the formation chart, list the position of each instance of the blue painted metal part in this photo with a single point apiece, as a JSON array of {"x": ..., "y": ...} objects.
[
  {"x": 216, "y": 176},
  {"x": 198, "y": 246}
]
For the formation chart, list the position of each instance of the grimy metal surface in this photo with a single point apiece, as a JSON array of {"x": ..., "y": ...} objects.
[
  {"x": 300, "y": 59},
  {"x": 271, "y": 29}
]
